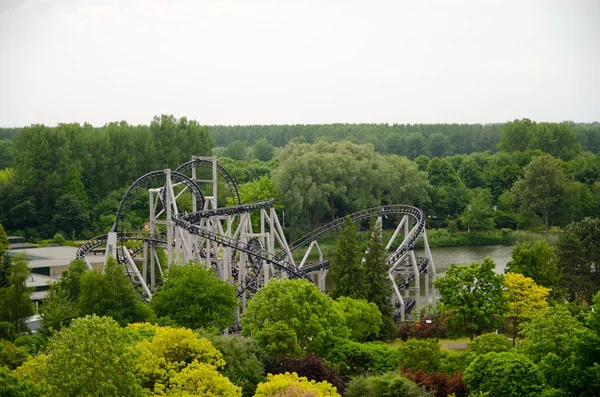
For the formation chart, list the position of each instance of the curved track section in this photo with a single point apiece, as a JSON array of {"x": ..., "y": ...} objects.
[
  {"x": 231, "y": 184},
  {"x": 143, "y": 183},
  {"x": 414, "y": 234},
  {"x": 99, "y": 241},
  {"x": 186, "y": 222}
]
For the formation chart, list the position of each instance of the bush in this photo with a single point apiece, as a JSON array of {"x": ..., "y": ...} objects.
[
  {"x": 12, "y": 356},
  {"x": 362, "y": 318},
  {"x": 311, "y": 367},
  {"x": 424, "y": 329},
  {"x": 439, "y": 383},
  {"x": 242, "y": 357},
  {"x": 59, "y": 239},
  {"x": 505, "y": 374},
  {"x": 292, "y": 385},
  {"x": 487, "y": 343},
  {"x": 352, "y": 358},
  {"x": 7, "y": 331},
  {"x": 423, "y": 354},
  {"x": 390, "y": 384},
  {"x": 34, "y": 344}
]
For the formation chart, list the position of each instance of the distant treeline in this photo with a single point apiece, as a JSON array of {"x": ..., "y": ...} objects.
[{"x": 411, "y": 140}]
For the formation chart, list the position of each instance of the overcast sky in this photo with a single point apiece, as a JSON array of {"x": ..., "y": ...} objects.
[{"x": 287, "y": 62}]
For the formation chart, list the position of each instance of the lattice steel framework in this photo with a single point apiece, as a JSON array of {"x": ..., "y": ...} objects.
[{"x": 247, "y": 255}]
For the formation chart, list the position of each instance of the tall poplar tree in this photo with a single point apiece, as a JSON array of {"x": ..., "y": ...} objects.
[
  {"x": 346, "y": 269},
  {"x": 378, "y": 285}
]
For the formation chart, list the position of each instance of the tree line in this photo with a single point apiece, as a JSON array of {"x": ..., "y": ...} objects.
[{"x": 70, "y": 178}]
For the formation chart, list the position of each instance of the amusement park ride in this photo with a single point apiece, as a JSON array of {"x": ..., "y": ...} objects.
[{"x": 223, "y": 238}]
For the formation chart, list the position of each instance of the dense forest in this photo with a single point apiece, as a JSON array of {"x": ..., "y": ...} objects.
[{"x": 518, "y": 175}]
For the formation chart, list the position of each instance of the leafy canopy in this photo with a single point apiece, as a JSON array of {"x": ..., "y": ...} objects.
[{"x": 194, "y": 297}]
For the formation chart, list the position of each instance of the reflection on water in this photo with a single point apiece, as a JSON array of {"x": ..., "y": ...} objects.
[{"x": 445, "y": 256}]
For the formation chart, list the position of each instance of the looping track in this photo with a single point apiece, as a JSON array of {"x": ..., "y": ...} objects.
[{"x": 256, "y": 253}]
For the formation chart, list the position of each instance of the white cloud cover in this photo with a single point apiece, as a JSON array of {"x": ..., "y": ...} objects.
[{"x": 284, "y": 62}]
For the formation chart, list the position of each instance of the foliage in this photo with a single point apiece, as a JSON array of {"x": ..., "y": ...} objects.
[
  {"x": 7, "y": 331},
  {"x": 12, "y": 356},
  {"x": 390, "y": 384},
  {"x": 377, "y": 283},
  {"x": 439, "y": 383},
  {"x": 550, "y": 340},
  {"x": 60, "y": 305},
  {"x": 537, "y": 260},
  {"x": 242, "y": 357},
  {"x": 524, "y": 299},
  {"x": 423, "y": 354},
  {"x": 487, "y": 343},
  {"x": 169, "y": 351},
  {"x": 110, "y": 293},
  {"x": 311, "y": 367},
  {"x": 90, "y": 357},
  {"x": 33, "y": 344},
  {"x": 263, "y": 150},
  {"x": 3, "y": 240},
  {"x": 15, "y": 303},
  {"x": 236, "y": 150},
  {"x": 362, "y": 318},
  {"x": 194, "y": 297},
  {"x": 199, "y": 379},
  {"x": 540, "y": 189},
  {"x": 11, "y": 386},
  {"x": 473, "y": 296},
  {"x": 504, "y": 374},
  {"x": 293, "y": 383},
  {"x": 299, "y": 305},
  {"x": 578, "y": 251},
  {"x": 425, "y": 328},
  {"x": 352, "y": 358},
  {"x": 346, "y": 269},
  {"x": 478, "y": 215},
  {"x": 278, "y": 340}
]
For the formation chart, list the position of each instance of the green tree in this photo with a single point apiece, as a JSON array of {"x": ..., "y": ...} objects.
[
  {"x": 516, "y": 135},
  {"x": 524, "y": 299},
  {"x": 541, "y": 187},
  {"x": 91, "y": 357},
  {"x": 389, "y": 384},
  {"x": 58, "y": 310},
  {"x": 578, "y": 251},
  {"x": 473, "y": 296},
  {"x": 506, "y": 374},
  {"x": 478, "y": 215},
  {"x": 110, "y": 293},
  {"x": 346, "y": 269},
  {"x": 236, "y": 150},
  {"x": 293, "y": 385},
  {"x": 299, "y": 305},
  {"x": 470, "y": 173},
  {"x": 538, "y": 261},
  {"x": 15, "y": 300},
  {"x": 550, "y": 340},
  {"x": 362, "y": 318},
  {"x": 194, "y": 297},
  {"x": 487, "y": 343},
  {"x": 377, "y": 283},
  {"x": 199, "y": 379},
  {"x": 423, "y": 354},
  {"x": 3, "y": 240},
  {"x": 263, "y": 150},
  {"x": 242, "y": 356},
  {"x": 11, "y": 386},
  {"x": 71, "y": 214}
]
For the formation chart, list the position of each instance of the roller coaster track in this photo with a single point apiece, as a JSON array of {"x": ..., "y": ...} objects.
[
  {"x": 231, "y": 184},
  {"x": 185, "y": 222},
  {"x": 143, "y": 182}
]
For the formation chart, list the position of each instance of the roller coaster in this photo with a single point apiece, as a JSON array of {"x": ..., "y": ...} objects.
[{"x": 244, "y": 242}]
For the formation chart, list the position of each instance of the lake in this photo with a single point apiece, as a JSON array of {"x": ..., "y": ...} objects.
[{"x": 443, "y": 257}]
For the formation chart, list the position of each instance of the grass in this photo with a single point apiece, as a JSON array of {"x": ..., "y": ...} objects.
[{"x": 453, "y": 344}]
